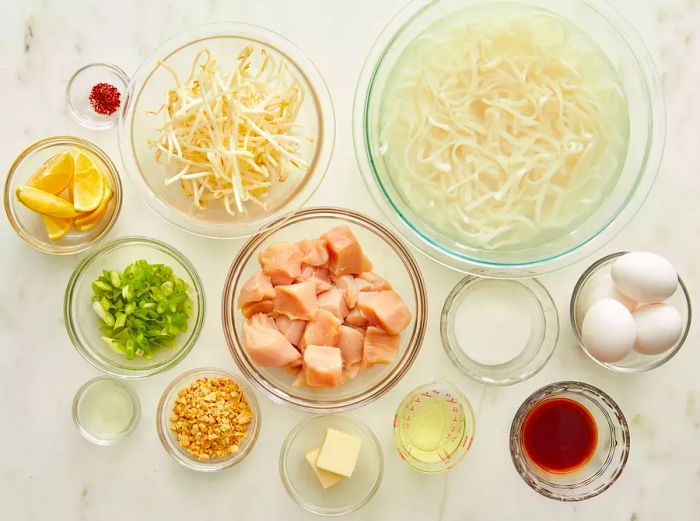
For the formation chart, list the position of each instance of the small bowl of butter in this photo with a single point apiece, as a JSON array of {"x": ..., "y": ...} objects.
[{"x": 331, "y": 465}]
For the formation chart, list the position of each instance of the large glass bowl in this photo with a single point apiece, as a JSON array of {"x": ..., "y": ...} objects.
[
  {"x": 391, "y": 260},
  {"x": 146, "y": 92},
  {"x": 625, "y": 50},
  {"x": 28, "y": 224},
  {"x": 82, "y": 323}
]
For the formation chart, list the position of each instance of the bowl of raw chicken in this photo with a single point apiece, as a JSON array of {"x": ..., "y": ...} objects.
[{"x": 324, "y": 311}]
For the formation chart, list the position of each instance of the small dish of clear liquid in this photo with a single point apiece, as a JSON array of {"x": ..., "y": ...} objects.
[{"x": 105, "y": 410}]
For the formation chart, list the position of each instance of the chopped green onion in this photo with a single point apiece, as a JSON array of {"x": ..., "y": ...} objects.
[{"x": 141, "y": 309}]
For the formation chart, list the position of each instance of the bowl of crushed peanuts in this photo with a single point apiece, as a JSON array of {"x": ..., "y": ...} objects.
[{"x": 208, "y": 420}]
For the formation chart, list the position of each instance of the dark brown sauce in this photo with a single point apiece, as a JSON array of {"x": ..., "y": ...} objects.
[{"x": 560, "y": 435}]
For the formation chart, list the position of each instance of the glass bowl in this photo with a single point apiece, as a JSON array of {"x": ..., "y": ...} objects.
[
  {"x": 146, "y": 93},
  {"x": 626, "y": 51},
  {"x": 78, "y": 94},
  {"x": 303, "y": 486},
  {"x": 82, "y": 323},
  {"x": 169, "y": 440},
  {"x": 634, "y": 362},
  {"x": 433, "y": 457},
  {"x": 28, "y": 224},
  {"x": 484, "y": 316},
  {"x": 608, "y": 460},
  {"x": 391, "y": 260},
  {"x": 80, "y": 415}
]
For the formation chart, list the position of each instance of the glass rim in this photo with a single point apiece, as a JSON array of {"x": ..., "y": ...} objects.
[
  {"x": 133, "y": 422},
  {"x": 291, "y": 490},
  {"x": 495, "y": 374},
  {"x": 318, "y": 92},
  {"x": 658, "y": 362},
  {"x": 235, "y": 341},
  {"x": 453, "y": 259},
  {"x": 180, "y": 456},
  {"x": 58, "y": 141},
  {"x": 71, "y": 320},
  {"x": 547, "y": 488}
]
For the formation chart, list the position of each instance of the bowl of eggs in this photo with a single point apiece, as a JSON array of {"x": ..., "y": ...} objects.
[{"x": 630, "y": 311}]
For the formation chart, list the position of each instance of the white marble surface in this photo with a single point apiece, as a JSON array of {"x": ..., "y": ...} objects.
[{"x": 47, "y": 471}]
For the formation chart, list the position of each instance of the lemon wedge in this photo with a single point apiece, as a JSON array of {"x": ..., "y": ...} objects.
[
  {"x": 88, "y": 184},
  {"x": 55, "y": 175},
  {"x": 44, "y": 202},
  {"x": 56, "y": 227},
  {"x": 87, "y": 220}
]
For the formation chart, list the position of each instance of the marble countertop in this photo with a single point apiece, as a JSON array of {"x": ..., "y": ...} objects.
[{"x": 49, "y": 472}]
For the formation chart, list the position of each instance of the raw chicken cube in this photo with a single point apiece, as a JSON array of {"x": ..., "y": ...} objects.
[
  {"x": 323, "y": 366},
  {"x": 321, "y": 276},
  {"x": 267, "y": 346},
  {"x": 257, "y": 288},
  {"x": 350, "y": 343},
  {"x": 323, "y": 330},
  {"x": 350, "y": 287},
  {"x": 281, "y": 262},
  {"x": 263, "y": 320},
  {"x": 376, "y": 283},
  {"x": 314, "y": 252},
  {"x": 345, "y": 252},
  {"x": 385, "y": 309},
  {"x": 379, "y": 347},
  {"x": 296, "y": 301},
  {"x": 253, "y": 308},
  {"x": 333, "y": 300},
  {"x": 292, "y": 329},
  {"x": 356, "y": 318}
]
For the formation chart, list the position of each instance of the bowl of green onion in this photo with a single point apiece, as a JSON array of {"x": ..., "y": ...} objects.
[{"x": 134, "y": 307}]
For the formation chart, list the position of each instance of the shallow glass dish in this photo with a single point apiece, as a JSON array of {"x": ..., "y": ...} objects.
[
  {"x": 82, "y": 322},
  {"x": 608, "y": 460},
  {"x": 391, "y": 260},
  {"x": 531, "y": 338},
  {"x": 28, "y": 224},
  {"x": 169, "y": 440},
  {"x": 302, "y": 484},
  {"x": 628, "y": 54},
  {"x": 83, "y": 423},
  {"x": 78, "y": 94},
  {"x": 146, "y": 92},
  {"x": 634, "y": 362}
]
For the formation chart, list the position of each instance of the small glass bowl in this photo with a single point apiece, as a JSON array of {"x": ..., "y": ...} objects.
[
  {"x": 82, "y": 323},
  {"x": 459, "y": 405},
  {"x": 169, "y": 440},
  {"x": 391, "y": 259},
  {"x": 138, "y": 126},
  {"x": 302, "y": 484},
  {"x": 634, "y": 362},
  {"x": 82, "y": 423},
  {"x": 534, "y": 303},
  {"x": 78, "y": 94},
  {"x": 28, "y": 224},
  {"x": 609, "y": 458}
]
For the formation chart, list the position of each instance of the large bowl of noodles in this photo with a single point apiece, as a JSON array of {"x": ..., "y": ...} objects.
[{"x": 509, "y": 138}]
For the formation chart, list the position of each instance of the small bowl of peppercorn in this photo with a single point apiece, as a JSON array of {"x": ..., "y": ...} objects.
[
  {"x": 95, "y": 93},
  {"x": 208, "y": 419}
]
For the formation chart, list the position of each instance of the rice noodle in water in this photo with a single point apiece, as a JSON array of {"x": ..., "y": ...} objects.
[{"x": 503, "y": 129}]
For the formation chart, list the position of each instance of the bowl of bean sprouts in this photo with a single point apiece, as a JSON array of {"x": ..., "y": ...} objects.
[
  {"x": 224, "y": 128},
  {"x": 509, "y": 139}
]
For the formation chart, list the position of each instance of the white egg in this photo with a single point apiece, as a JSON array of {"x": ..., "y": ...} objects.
[
  {"x": 645, "y": 277},
  {"x": 602, "y": 286},
  {"x": 659, "y": 326},
  {"x": 607, "y": 331}
]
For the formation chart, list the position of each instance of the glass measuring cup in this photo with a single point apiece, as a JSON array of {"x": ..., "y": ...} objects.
[{"x": 434, "y": 427}]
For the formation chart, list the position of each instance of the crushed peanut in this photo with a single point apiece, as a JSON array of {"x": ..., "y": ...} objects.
[{"x": 211, "y": 418}]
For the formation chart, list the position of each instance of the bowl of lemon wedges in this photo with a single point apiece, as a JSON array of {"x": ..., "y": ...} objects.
[{"x": 62, "y": 195}]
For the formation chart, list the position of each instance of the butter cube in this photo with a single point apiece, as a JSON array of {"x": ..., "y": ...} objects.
[
  {"x": 339, "y": 453},
  {"x": 327, "y": 479}
]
